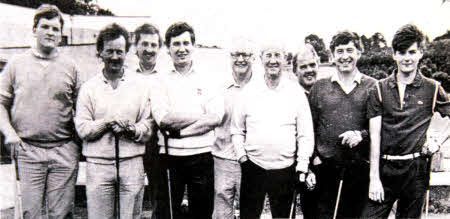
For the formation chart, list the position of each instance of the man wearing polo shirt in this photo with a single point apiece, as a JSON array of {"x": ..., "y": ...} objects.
[
  {"x": 306, "y": 67},
  {"x": 148, "y": 44},
  {"x": 338, "y": 105},
  {"x": 227, "y": 171},
  {"x": 37, "y": 95},
  {"x": 109, "y": 107},
  {"x": 400, "y": 109},
  {"x": 183, "y": 106},
  {"x": 271, "y": 125}
]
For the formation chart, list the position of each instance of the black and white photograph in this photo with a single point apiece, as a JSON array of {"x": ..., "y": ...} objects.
[{"x": 208, "y": 109}]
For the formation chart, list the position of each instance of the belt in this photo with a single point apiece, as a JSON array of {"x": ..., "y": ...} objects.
[{"x": 401, "y": 157}]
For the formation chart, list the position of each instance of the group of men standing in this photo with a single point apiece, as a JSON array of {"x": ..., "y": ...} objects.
[{"x": 259, "y": 135}]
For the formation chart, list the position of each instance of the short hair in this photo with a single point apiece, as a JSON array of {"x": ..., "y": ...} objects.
[
  {"x": 406, "y": 36},
  {"x": 147, "y": 29},
  {"x": 176, "y": 29},
  {"x": 47, "y": 11},
  {"x": 307, "y": 48},
  {"x": 111, "y": 32},
  {"x": 345, "y": 37}
]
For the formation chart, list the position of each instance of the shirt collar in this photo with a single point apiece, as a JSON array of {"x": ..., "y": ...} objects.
[
  {"x": 357, "y": 78},
  {"x": 191, "y": 71},
  {"x": 417, "y": 82},
  {"x": 39, "y": 54},
  {"x": 140, "y": 70},
  {"x": 232, "y": 82},
  {"x": 123, "y": 78}
]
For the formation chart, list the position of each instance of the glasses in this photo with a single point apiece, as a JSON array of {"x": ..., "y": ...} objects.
[{"x": 246, "y": 56}]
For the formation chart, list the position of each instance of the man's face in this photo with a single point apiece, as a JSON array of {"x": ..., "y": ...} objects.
[
  {"x": 148, "y": 48},
  {"x": 307, "y": 68},
  {"x": 408, "y": 60},
  {"x": 346, "y": 57},
  {"x": 113, "y": 54},
  {"x": 273, "y": 59},
  {"x": 48, "y": 33},
  {"x": 181, "y": 48},
  {"x": 241, "y": 62}
]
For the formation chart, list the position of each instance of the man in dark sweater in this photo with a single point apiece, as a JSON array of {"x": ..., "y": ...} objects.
[
  {"x": 338, "y": 105},
  {"x": 400, "y": 109}
]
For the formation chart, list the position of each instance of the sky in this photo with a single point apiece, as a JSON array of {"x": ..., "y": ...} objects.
[{"x": 288, "y": 21}]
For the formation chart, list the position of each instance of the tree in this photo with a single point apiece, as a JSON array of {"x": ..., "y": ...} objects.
[
  {"x": 85, "y": 7},
  {"x": 319, "y": 46}
]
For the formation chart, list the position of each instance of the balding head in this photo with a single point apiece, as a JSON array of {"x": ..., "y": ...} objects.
[{"x": 306, "y": 66}]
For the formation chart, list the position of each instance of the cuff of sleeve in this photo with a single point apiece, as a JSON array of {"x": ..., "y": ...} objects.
[
  {"x": 302, "y": 164},
  {"x": 100, "y": 126},
  {"x": 240, "y": 151},
  {"x": 364, "y": 134},
  {"x": 140, "y": 130}
]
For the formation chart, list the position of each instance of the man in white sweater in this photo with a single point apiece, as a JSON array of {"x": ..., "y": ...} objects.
[
  {"x": 109, "y": 106},
  {"x": 273, "y": 136}
]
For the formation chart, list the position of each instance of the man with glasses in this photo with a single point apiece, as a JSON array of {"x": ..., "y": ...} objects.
[
  {"x": 271, "y": 125},
  {"x": 227, "y": 171},
  {"x": 108, "y": 110},
  {"x": 38, "y": 91}
]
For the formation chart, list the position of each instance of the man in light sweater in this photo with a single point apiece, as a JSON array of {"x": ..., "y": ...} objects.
[
  {"x": 227, "y": 171},
  {"x": 38, "y": 90},
  {"x": 108, "y": 107},
  {"x": 184, "y": 107},
  {"x": 272, "y": 133}
]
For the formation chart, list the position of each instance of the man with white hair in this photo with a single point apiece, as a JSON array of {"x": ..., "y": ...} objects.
[
  {"x": 227, "y": 171},
  {"x": 271, "y": 125}
]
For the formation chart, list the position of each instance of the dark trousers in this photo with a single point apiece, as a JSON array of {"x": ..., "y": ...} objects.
[
  {"x": 256, "y": 182},
  {"x": 308, "y": 200},
  {"x": 405, "y": 181},
  {"x": 195, "y": 171},
  {"x": 152, "y": 166},
  {"x": 355, "y": 187}
]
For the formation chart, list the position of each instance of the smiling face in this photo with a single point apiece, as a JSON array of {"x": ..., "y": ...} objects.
[
  {"x": 273, "y": 59},
  {"x": 346, "y": 56},
  {"x": 307, "y": 68},
  {"x": 241, "y": 62},
  {"x": 48, "y": 34},
  {"x": 113, "y": 54},
  {"x": 181, "y": 48},
  {"x": 408, "y": 60},
  {"x": 147, "y": 48}
]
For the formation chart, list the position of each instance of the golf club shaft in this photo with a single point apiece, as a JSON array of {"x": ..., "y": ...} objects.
[
  {"x": 338, "y": 199},
  {"x": 117, "y": 187},
  {"x": 18, "y": 209},
  {"x": 294, "y": 198},
  {"x": 166, "y": 148}
]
